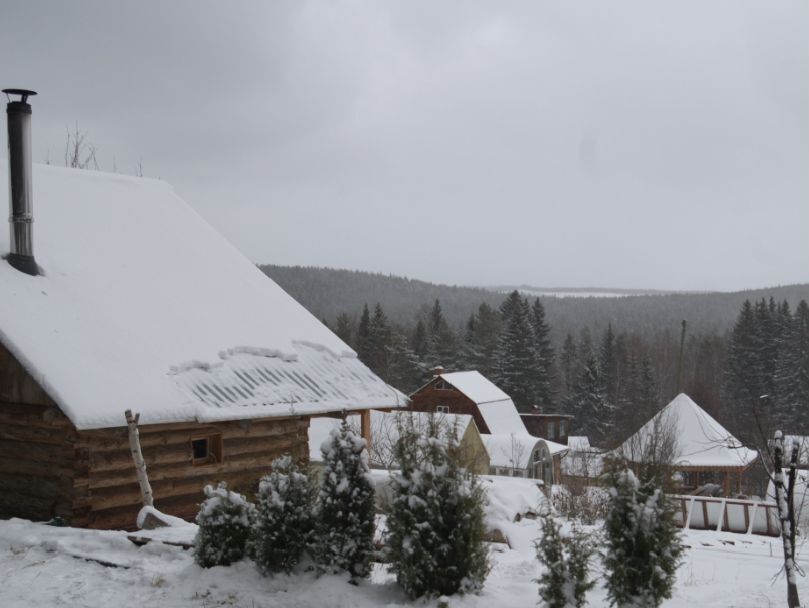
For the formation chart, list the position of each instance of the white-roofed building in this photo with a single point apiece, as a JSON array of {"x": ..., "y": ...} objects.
[
  {"x": 698, "y": 447},
  {"x": 385, "y": 433},
  {"x": 139, "y": 304},
  {"x": 512, "y": 450}
]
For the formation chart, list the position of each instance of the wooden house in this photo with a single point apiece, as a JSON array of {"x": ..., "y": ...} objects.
[
  {"x": 512, "y": 449},
  {"x": 135, "y": 302},
  {"x": 555, "y": 427}
]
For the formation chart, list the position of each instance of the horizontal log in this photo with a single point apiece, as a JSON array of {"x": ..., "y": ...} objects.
[
  {"x": 36, "y": 452},
  {"x": 26, "y": 415},
  {"x": 39, "y": 487},
  {"x": 32, "y": 507},
  {"x": 108, "y": 493},
  {"x": 117, "y": 439},
  {"x": 21, "y": 466},
  {"x": 40, "y": 434}
]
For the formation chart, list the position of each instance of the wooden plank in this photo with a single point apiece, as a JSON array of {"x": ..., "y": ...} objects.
[{"x": 705, "y": 521}]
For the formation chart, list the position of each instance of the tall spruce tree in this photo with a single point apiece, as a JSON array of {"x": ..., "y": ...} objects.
[
  {"x": 545, "y": 357},
  {"x": 344, "y": 328},
  {"x": 363, "y": 343},
  {"x": 589, "y": 404},
  {"x": 379, "y": 336},
  {"x": 442, "y": 343},
  {"x": 516, "y": 352}
]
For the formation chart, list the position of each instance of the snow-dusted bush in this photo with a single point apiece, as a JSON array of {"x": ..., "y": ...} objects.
[
  {"x": 225, "y": 519},
  {"x": 579, "y": 501},
  {"x": 642, "y": 543},
  {"x": 435, "y": 520},
  {"x": 345, "y": 506},
  {"x": 283, "y": 517},
  {"x": 566, "y": 561}
]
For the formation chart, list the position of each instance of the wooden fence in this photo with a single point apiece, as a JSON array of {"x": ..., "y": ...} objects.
[{"x": 727, "y": 515}]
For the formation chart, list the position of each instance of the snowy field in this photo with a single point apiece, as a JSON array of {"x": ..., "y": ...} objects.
[{"x": 45, "y": 566}]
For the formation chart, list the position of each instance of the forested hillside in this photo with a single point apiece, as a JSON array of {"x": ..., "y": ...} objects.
[
  {"x": 327, "y": 292},
  {"x": 610, "y": 362}
]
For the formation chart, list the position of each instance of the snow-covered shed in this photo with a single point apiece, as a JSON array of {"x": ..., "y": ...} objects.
[
  {"x": 138, "y": 303},
  {"x": 512, "y": 450},
  {"x": 699, "y": 448},
  {"x": 385, "y": 433}
]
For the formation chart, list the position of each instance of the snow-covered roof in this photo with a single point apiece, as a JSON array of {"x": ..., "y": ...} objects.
[
  {"x": 510, "y": 450},
  {"x": 143, "y": 305},
  {"x": 502, "y": 417},
  {"x": 385, "y": 431},
  {"x": 476, "y": 386},
  {"x": 556, "y": 448},
  {"x": 578, "y": 443},
  {"x": 700, "y": 440}
]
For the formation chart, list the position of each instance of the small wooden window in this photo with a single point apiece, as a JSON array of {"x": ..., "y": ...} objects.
[
  {"x": 442, "y": 386},
  {"x": 207, "y": 450},
  {"x": 442, "y": 409}
]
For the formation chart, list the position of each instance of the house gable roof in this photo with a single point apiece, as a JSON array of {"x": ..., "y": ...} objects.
[
  {"x": 701, "y": 440},
  {"x": 142, "y": 305}
]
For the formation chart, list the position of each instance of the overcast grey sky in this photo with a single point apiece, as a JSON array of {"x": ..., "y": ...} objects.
[{"x": 625, "y": 144}]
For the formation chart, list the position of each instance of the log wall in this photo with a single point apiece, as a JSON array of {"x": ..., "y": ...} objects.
[
  {"x": 37, "y": 448},
  {"x": 108, "y": 494}
]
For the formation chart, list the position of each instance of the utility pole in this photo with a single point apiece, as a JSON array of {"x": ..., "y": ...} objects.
[{"x": 680, "y": 362}]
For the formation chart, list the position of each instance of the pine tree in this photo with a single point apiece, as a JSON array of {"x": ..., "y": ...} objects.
[
  {"x": 420, "y": 342},
  {"x": 516, "y": 352},
  {"x": 344, "y": 328},
  {"x": 564, "y": 581},
  {"x": 363, "y": 344},
  {"x": 642, "y": 544},
  {"x": 545, "y": 356},
  {"x": 568, "y": 363},
  {"x": 435, "y": 520},
  {"x": 379, "y": 335},
  {"x": 442, "y": 344},
  {"x": 404, "y": 369},
  {"x": 608, "y": 364},
  {"x": 284, "y": 523},
  {"x": 345, "y": 507},
  {"x": 225, "y": 521},
  {"x": 595, "y": 415}
]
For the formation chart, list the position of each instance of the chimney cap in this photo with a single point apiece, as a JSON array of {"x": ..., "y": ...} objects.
[{"x": 24, "y": 93}]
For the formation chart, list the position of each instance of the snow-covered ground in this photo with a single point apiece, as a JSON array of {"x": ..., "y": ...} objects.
[{"x": 47, "y": 566}]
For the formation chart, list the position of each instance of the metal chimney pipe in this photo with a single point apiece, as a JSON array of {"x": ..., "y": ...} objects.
[{"x": 21, "y": 219}]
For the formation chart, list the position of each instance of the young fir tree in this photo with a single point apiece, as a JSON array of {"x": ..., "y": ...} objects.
[
  {"x": 435, "y": 519},
  {"x": 344, "y": 531},
  {"x": 225, "y": 520},
  {"x": 284, "y": 521},
  {"x": 642, "y": 544},
  {"x": 566, "y": 560}
]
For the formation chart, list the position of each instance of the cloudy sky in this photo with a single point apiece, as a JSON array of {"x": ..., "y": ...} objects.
[{"x": 623, "y": 144}]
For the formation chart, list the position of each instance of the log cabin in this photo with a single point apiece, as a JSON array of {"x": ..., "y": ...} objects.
[{"x": 134, "y": 302}]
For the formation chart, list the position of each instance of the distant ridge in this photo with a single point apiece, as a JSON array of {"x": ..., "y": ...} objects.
[{"x": 327, "y": 292}]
